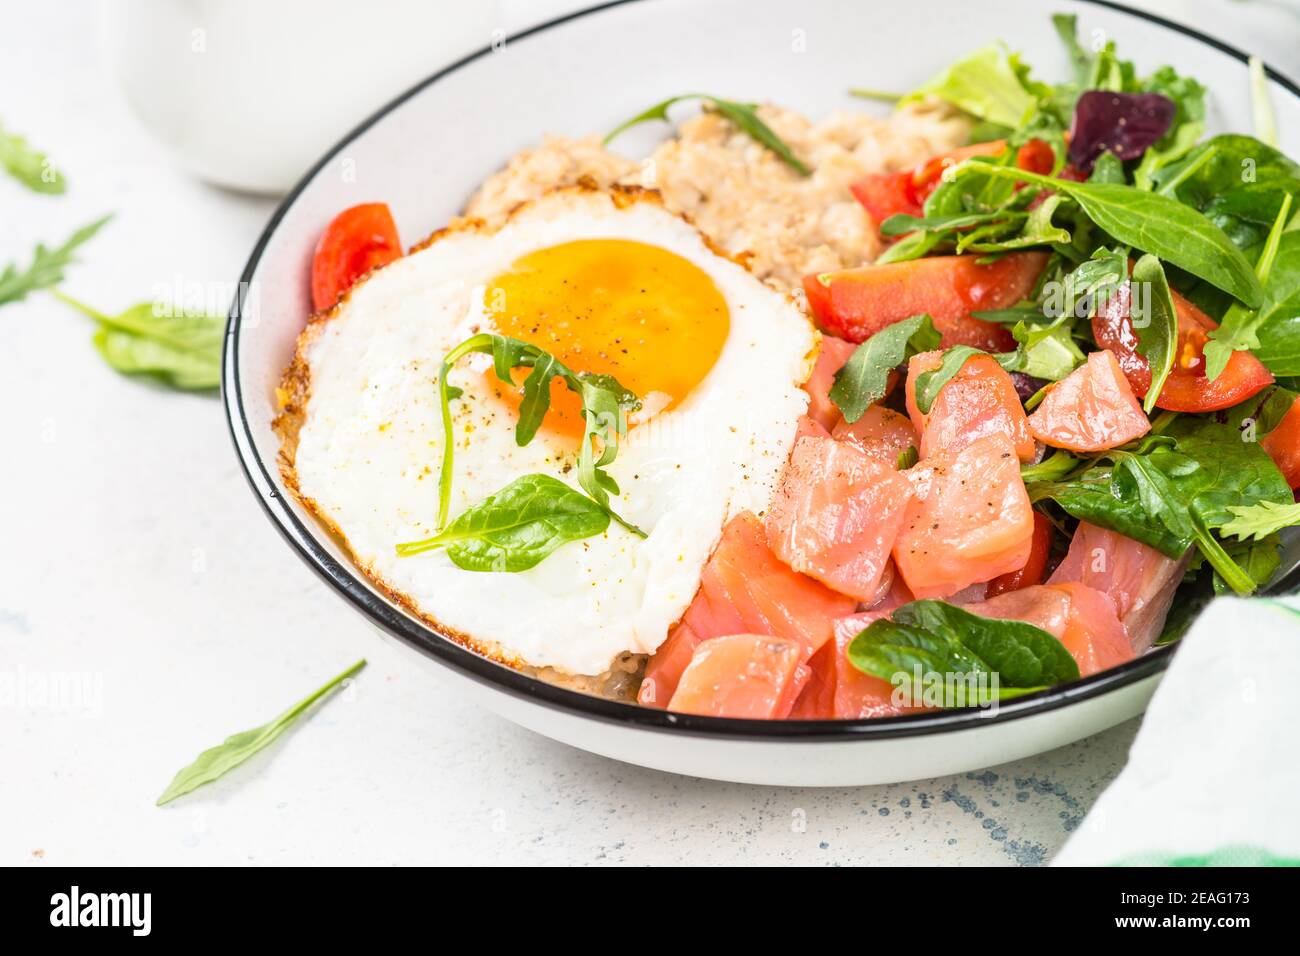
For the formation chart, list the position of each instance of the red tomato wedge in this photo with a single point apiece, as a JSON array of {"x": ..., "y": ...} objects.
[
  {"x": 970, "y": 520},
  {"x": 358, "y": 240},
  {"x": 1138, "y": 579},
  {"x": 887, "y": 194},
  {"x": 880, "y": 433},
  {"x": 742, "y": 675},
  {"x": 855, "y": 304},
  {"x": 1186, "y": 389},
  {"x": 1035, "y": 567},
  {"x": 980, "y": 400},
  {"x": 1080, "y": 617},
  {"x": 1091, "y": 409},
  {"x": 1283, "y": 445},
  {"x": 836, "y": 514},
  {"x": 744, "y": 589},
  {"x": 834, "y": 353}
]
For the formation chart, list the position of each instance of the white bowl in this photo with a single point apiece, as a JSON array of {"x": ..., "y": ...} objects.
[{"x": 424, "y": 154}]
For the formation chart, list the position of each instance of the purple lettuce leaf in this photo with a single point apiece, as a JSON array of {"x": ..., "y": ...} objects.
[{"x": 1125, "y": 124}]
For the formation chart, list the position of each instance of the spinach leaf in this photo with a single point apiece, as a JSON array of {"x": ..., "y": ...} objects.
[
  {"x": 861, "y": 381},
  {"x": 47, "y": 266},
  {"x": 1155, "y": 322},
  {"x": 1159, "y": 225},
  {"x": 29, "y": 166},
  {"x": 1276, "y": 325},
  {"x": 605, "y": 404},
  {"x": 985, "y": 84},
  {"x": 183, "y": 351},
  {"x": 516, "y": 528},
  {"x": 1237, "y": 330},
  {"x": 218, "y": 761},
  {"x": 744, "y": 115},
  {"x": 944, "y": 642}
]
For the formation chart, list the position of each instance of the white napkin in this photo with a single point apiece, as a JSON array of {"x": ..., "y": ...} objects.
[{"x": 1214, "y": 774}]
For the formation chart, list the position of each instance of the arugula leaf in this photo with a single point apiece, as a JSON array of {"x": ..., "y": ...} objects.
[
  {"x": 218, "y": 761},
  {"x": 1155, "y": 321},
  {"x": 1108, "y": 168},
  {"x": 908, "y": 457},
  {"x": 1159, "y": 225},
  {"x": 516, "y": 528},
  {"x": 1260, "y": 520},
  {"x": 1045, "y": 351},
  {"x": 1237, "y": 330},
  {"x": 1038, "y": 230},
  {"x": 862, "y": 379},
  {"x": 47, "y": 266},
  {"x": 29, "y": 166},
  {"x": 1052, "y": 468},
  {"x": 605, "y": 404},
  {"x": 183, "y": 351},
  {"x": 1261, "y": 110},
  {"x": 912, "y": 246},
  {"x": 985, "y": 84},
  {"x": 931, "y": 382},
  {"x": 1066, "y": 25},
  {"x": 946, "y": 642},
  {"x": 744, "y": 115}
]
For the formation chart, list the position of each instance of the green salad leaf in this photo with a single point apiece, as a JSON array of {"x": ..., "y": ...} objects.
[
  {"x": 183, "y": 351},
  {"x": 1260, "y": 520},
  {"x": 1276, "y": 325},
  {"x": 862, "y": 380},
  {"x": 1155, "y": 322},
  {"x": 518, "y": 527},
  {"x": 943, "y": 641},
  {"x": 985, "y": 84},
  {"x": 29, "y": 166},
  {"x": 1261, "y": 108},
  {"x": 46, "y": 269},
  {"x": 744, "y": 115},
  {"x": 216, "y": 762}
]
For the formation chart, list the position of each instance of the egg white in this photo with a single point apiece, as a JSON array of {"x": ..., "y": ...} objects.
[{"x": 370, "y": 444}]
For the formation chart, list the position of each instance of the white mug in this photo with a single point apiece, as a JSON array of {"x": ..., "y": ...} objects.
[{"x": 249, "y": 93}]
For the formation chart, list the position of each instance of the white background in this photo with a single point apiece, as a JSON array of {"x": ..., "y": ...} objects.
[{"x": 135, "y": 558}]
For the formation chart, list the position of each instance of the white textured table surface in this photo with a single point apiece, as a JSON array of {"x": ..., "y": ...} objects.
[{"x": 137, "y": 565}]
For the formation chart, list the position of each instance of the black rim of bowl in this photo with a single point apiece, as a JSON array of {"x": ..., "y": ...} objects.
[{"x": 349, "y": 583}]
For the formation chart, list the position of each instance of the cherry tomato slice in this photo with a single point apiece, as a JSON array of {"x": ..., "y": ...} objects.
[
  {"x": 1040, "y": 546},
  {"x": 1186, "y": 389},
  {"x": 358, "y": 240},
  {"x": 1283, "y": 445}
]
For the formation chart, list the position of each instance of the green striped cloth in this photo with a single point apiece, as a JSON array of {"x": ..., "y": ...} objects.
[{"x": 1213, "y": 778}]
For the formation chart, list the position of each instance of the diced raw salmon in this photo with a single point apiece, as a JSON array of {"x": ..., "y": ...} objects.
[
  {"x": 1091, "y": 409},
  {"x": 880, "y": 433},
  {"x": 969, "y": 522},
  {"x": 857, "y": 303},
  {"x": 741, "y": 675},
  {"x": 834, "y": 353},
  {"x": 836, "y": 514},
  {"x": 808, "y": 428},
  {"x": 857, "y": 695},
  {"x": 1137, "y": 578},
  {"x": 817, "y": 699},
  {"x": 1081, "y": 618},
  {"x": 979, "y": 400},
  {"x": 744, "y": 589}
]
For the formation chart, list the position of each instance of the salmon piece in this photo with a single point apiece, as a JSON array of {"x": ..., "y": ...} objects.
[
  {"x": 880, "y": 433},
  {"x": 1091, "y": 409},
  {"x": 1137, "y": 578},
  {"x": 836, "y": 514},
  {"x": 857, "y": 695},
  {"x": 979, "y": 400},
  {"x": 744, "y": 589},
  {"x": 834, "y": 353},
  {"x": 1081, "y": 618},
  {"x": 817, "y": 699},
  {"x": 855, "y": 304},
  {"x": 808, "y": 428},
  {"x": 969, "y": 521},
  {"x": 741, "y": 675}
]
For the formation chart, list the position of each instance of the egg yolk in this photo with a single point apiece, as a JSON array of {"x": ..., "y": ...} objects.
[{"x": 647, "y": 316}]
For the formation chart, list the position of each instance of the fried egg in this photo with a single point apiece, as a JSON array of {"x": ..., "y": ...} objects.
[{"x": 609, "y": 283}]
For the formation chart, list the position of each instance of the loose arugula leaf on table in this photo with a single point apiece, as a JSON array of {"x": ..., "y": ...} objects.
[
  {"x": 744, "y": 115},
  {"x": 29, "y": 166},
  {"x": 1155, "y": 322},
  {"x": 985, "y": 84},
  {"x": 516, "y": 528},
  {"x": 862, "y": 379},
  {"x": 945, "y": 642},
  {"x": 47, "y": 265},
  {"x": 1157, "y": 224},
  {"x": 605, "y": 404},
  {"x": 183, "y": 351},
  {"x": 217, "y": 761},
  {"x": 1238, "y": 328}
]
